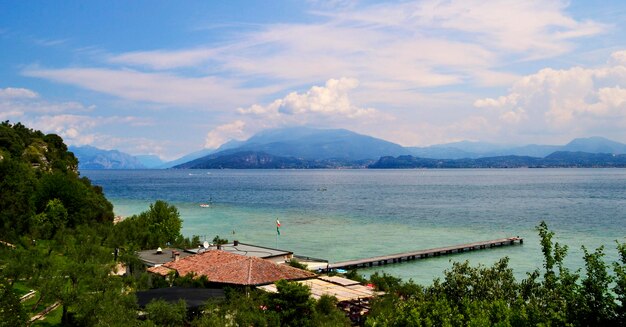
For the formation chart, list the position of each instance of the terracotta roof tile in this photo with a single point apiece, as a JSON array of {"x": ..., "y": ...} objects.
[
  {"x": 159, "y": 270},
  {"x": 229, "y": 268}
]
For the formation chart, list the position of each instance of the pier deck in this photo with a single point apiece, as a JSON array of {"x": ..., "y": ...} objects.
[{"x": 422, "y": 254}]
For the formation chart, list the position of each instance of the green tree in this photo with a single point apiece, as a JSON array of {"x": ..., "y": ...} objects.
[
  {"x": 156, "y": 227},
  {"x": 11, "y": 310},
  {"x": 51, "y": 221},
  {"x": 165, "y": 314},
  {"x": 327, "y": 313},
  {"x": 164, "y": 222},
  {"x": 105, "y": 304},
  {"x": 17, "y": 184},
  {"x": 293, "y": 303},
  {"x": 84, "y": 202},
  {"x": 219, "y": 241},
  {"x": 555, "y": 299},
  {"x": 619, "y": 268},
  {"x": 598, "y": 304},
  {"x": 249, "y": 308},
  {"x": 385, "y": 282}
]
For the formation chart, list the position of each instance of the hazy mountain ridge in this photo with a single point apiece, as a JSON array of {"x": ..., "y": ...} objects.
[
  {"x": 262, "y": 160},
  {"x": 320, "y": 144},
  {"x": 303, "y": 148},
  {"x": 466, "y": 149},
  {"x": 339, "y": 148},
  {"x": 559, "y": 159},
  {"x": 186, "y": 158},
  {"x": 343, "y": 147},
  {"x": 93, "y": 158}
]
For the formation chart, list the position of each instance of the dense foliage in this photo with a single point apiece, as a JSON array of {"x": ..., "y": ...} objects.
[
  {"x": 60, "y": 227},
  {"x": 292, "y": 305},
  {"x": 39, "y": 182},
  {"x": 157, "y": 227},
  {"x": 490, "y": 296}
]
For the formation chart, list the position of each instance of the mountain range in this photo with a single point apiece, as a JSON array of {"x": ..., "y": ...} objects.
[
  {"x": 559, "y": 159},
  {"x": 339, "y": 148},
  {"x": 93, "y": 158},
  {"x": 318, "y": 148}
]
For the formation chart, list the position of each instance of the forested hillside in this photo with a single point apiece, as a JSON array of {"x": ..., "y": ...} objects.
[
  {"x": 59, "y": 240},
  {"x": 42, "y": 191}
]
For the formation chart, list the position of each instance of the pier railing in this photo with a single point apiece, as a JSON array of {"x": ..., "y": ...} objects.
[{"x": 423, "y": 254}]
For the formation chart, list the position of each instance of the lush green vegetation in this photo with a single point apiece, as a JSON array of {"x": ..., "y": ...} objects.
[
  {"x": 291, "y": 306},
  {"x": 63, "y": 245},
  {"x": 41, "y": 188},
  {"x": 62, "y": 235},
  {"x": 158, "y": 226},
  {"x": 490, "y": 296}
]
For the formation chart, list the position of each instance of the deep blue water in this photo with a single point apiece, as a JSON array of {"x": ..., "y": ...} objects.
[{"x": 348, "y": 214}]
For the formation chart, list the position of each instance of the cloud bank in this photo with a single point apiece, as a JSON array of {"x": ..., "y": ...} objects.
[
  {"x": 584, "y": 100},
  {"x": 412, "y": 72}
]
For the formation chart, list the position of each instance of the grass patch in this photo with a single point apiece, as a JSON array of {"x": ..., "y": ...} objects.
[
  {"x": 28, "y": 305},
  {"x": 52, "y": 319},
  {"x": 21, "y": 289}
]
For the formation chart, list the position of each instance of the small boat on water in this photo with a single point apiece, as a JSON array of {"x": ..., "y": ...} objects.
[{"x": 208, "y": 204}]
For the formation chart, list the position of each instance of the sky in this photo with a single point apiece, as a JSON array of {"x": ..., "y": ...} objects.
[{"x": 172, "y": 77}]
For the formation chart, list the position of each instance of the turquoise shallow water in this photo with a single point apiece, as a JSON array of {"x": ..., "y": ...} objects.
[{"x": 349, "y": 214}]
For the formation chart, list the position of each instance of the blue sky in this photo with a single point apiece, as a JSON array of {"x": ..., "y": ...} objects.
[{"x": 169, "y": 78}]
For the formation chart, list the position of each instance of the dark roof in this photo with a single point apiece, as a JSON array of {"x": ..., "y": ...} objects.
[
  {"x": 152, "y": 258},
  {"x": 227, "y": 268},
  {"x": 195, "y": 297},
  {"x": 248, "y": 250}
]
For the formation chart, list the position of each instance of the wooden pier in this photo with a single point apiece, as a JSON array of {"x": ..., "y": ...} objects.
[{"x": 423, "y": 254}]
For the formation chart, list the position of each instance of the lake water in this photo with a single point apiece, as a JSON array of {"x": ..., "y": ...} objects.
[{"x": 349, "y": 214}]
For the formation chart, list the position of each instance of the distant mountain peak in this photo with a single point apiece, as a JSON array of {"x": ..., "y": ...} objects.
[
  {"x": 595, "y": 144},
  {"x": 90, "y": 157},
  {"x": 311, "y": 144}
]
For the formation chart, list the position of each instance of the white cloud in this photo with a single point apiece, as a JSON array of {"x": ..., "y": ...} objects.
[
  {"x": 70, "y": 127},
  {"x": 161, "y": 59},
  {"x": 131, "y": 145},
  {"x": 418, "y": 61},
  {"x": 611, "y": 101},
  {"x": 17, "y": 93},
  {"x": 223, "y": 133},
  {"x": 500, "y": 102},
  {"x": 408, "y": 45},
  {"x": 19, "y": 101},
  {"x": 85, "y": 130},
  {"x": 558, "y": 100},
  {"x": 73, "y": 121},
  {"x": 328, "y": 105},
  {"x": 153, "y": 87},
  {"x": 329, "y": 100},
  {"x": 618, "y": 58}
]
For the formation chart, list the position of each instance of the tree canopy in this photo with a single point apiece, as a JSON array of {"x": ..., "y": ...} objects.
[
  {"x": 157, "y": 227},
  {"x": 491, "y": 296},
  {"x": 36, "y": 171}
]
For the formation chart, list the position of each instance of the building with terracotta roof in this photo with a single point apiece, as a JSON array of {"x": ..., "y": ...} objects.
[
  {"x": 276, "y": 255},
  {"x": 157, "y": 257},
  {"x": 223, "y": 267}
]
